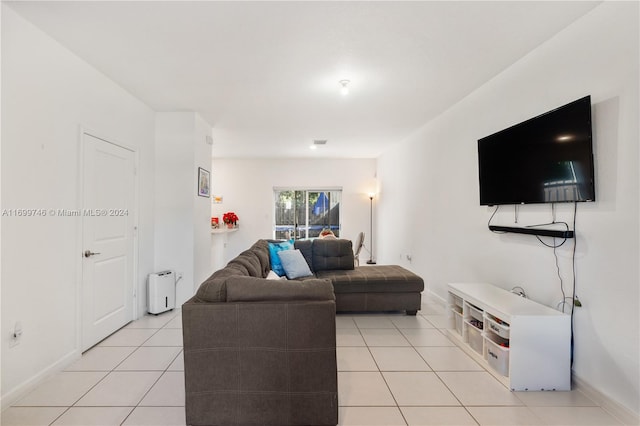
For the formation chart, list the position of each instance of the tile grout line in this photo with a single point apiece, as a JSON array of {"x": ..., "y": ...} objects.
[
  {"x": 112, "y": 371},
  {"x": 466, "y": 408},
  {"x": 397, "y": 406},
  {"x": 485, "y": 370},
  {"x": 159, "y": 377},
  {"x": 433, "y": 371},
  {"x": 443, "y": 382},
  {"x": 445, "y": 385},
  {"x": 82, "y": 396},
  {"x": 397, "y": 327},
  {"x": 67, "y": 408}
]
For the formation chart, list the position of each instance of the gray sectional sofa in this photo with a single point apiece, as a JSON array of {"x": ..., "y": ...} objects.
[
  {"x": 362, "y": 288},
  {"x": 257, "y": 351},
  {"x": 263, "y": 352}
]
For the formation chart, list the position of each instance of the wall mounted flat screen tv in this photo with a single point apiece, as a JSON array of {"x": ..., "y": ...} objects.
[{"x": 546, "y": 159}]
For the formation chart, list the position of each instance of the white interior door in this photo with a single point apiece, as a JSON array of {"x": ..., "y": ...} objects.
[{"x": 108, "y": 238}]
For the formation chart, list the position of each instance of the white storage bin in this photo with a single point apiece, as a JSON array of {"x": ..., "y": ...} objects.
[
  {"x": 457, "y": 317},
  {"x": 474, "y": 337},
  {"x": 456, "y": 301},
  {"x": 494, "y": 326},
  {"x": 475, "y": 312},
  {"x": 497, "y": 356}
]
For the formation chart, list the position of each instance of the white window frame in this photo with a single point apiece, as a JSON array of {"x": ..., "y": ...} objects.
[{"x": 306, "y": 190}]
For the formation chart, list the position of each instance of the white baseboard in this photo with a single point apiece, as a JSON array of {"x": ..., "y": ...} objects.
[
  {"x": 614, "y": 408},
  {"x": 435, "y": 298},
  {"x": 27, "y": 386}
]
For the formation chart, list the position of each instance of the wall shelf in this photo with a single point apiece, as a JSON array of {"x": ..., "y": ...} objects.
[
  {"x": 533, "y": 231},
  {"x": 223, "y": 230}
]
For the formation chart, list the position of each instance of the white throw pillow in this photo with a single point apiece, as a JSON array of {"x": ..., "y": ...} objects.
[{"x": 273, "y": 276}]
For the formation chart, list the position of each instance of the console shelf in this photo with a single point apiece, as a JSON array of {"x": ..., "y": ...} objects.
[
  {"x": 526, "y": 345},
  {"x": 533, "y": 231}
]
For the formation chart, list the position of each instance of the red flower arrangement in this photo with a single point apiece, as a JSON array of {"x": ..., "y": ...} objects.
[{"x": 230, "y": 218}]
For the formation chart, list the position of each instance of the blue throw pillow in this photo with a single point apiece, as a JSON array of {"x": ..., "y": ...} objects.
[
  {"x": 294, "y": 264},
  {"x": 274, "y": 248}
]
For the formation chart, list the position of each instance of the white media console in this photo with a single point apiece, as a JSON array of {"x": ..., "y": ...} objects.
[{"x": 525, "y": 344}]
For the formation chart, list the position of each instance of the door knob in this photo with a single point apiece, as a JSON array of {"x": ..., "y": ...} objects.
[{"x": 89, "y": 253}]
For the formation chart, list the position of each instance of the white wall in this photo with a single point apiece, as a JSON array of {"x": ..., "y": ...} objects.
[
  {"x": 247, "y": 187},
  {"x": 202, "y": 206},
  {"x": 1, "y": 324},
  {"x": 182, "y": 217},
  {"x": 47, "y": 94},
  {"x": 433, "y": 179}
]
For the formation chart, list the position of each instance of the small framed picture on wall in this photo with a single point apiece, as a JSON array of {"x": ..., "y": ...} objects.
[{"x": 204, "y": 182}]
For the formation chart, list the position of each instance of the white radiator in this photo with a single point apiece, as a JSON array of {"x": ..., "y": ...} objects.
[{"x": 161, "y": 292}]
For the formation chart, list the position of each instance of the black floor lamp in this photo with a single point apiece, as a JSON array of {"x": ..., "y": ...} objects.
[{"x": 371, "y": 261}]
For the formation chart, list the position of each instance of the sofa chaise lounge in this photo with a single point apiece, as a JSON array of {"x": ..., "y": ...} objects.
[{"x": 362, "y": 288}]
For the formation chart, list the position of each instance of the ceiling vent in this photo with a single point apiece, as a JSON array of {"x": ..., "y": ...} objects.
[{"x": 319, "y": 141}]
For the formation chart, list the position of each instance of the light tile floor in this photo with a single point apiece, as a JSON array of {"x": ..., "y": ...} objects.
[{"x": 392, "y": 370}]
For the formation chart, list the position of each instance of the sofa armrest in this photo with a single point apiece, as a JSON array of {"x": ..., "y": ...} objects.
[
  {"x": 252, "y": 289},
  {"x": 260, "y": 363}
]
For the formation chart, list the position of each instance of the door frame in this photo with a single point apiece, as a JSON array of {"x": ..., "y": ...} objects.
[{"x": 82, "y": 131}]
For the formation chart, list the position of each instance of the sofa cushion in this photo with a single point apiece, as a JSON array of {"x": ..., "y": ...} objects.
[
  {"x": 332, "y": 254},
  {"x": 294, "y": 264},
  {"x": 306, "y": 248},
  {"x": 374, "y": 279},
  {"x": 250, "y": 289},
  {"x": 274, "y": 248},
  {"x": 261, "y": 249},
  {"x": 248, "y": 261},
  {"x": 212, "y": 290}
]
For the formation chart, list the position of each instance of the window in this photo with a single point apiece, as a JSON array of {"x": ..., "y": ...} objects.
[{"x": 302, "y": 214}]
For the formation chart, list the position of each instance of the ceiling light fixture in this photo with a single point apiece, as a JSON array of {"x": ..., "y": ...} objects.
[{"x": 344, "y": 90}]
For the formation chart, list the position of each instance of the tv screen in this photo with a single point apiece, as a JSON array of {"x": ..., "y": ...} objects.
[{"x": 546, "y": 159}]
